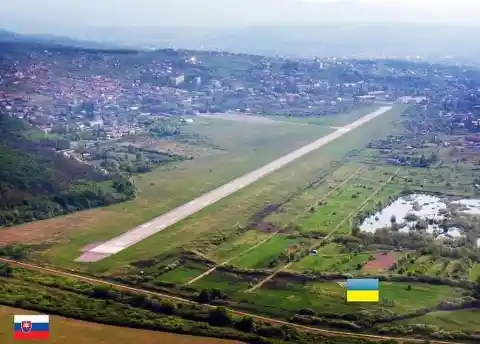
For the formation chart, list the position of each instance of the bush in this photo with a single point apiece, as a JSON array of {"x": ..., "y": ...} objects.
[
  {"x": 220, "y": 317},
  {"x": 306, "y": 311},
  {"x": 246, "y": 324},
  {"x": 271, "y": 331}
]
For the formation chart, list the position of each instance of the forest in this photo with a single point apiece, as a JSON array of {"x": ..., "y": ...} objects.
[{"x": 36, "y": 182}]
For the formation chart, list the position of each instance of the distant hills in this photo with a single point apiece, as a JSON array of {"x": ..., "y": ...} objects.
[
  {"x": 430, "y": 41},
  {"x": 9, "y": 36}
]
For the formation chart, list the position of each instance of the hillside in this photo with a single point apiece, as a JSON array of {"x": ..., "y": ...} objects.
[
  {"x": 36, "y": 182},
  {"x": 13, "y": 37}
]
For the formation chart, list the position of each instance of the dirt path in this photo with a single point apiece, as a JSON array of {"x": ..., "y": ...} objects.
[
  {"x": 318, "y": 243},
  {"x": 162, "y": 222},
  {"x": 335, "y": 189},
  {"x": 208, "y": 272},
  {"x": 51, "y": 271}
]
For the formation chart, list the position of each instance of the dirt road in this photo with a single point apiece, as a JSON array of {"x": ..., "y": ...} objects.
[
  {"x": 158, "y": 224},
  {"x": 52, "y": 271}
]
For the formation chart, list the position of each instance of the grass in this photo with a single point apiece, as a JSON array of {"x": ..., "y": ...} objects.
[
  {"x": 325, "y": 258},
  {"x": 178, "y": 185},
  {"x": 333, "y": 120},
  {"x": 247, "y": 147},
  {"x": 467, "y": 320},
  {"x": 426, "y": 265},
  {"x": 321, "y": 297},
  {"x": 283, "y": 297},
  {"x": 226, "y": 282},
  {"x": 181, "y": 274},
  {"x": 261, "y": 257},
  {"x": 221, "y": 219},
  {"x": 236, "y": 209},
  {"x": 475, "y": 273},
  {"x": 238, "y": 244},
  {"x": 348, "y": 199},
  {"x": 329, "y": 297},
  {"x": 420, "y": 295},
  {"x": 64, "y": 330},
  {"x": 336, "y": 263},
  {"x": 299, "y": 205}
]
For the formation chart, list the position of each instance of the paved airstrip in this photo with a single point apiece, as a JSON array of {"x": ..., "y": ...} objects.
[{"x": 162, "y": 222}]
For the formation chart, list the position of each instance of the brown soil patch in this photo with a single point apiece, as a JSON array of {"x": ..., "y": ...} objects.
[
  {"x": 51, "y": 230},
  {"x": 292, "y": 249},
  {"x": 382, "y": 261}
]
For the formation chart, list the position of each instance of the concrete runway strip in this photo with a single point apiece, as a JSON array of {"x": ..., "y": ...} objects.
[{"x": 161, "y": 222}]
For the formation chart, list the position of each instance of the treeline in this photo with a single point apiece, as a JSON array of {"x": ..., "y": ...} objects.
[
  {"x": 37, "y": 183},
  {"x": 78, "y": 300},
  {"x": 76, "y": 198}
]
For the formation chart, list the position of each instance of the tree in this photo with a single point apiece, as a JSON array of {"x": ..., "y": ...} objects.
[
  {"x": 246, "y": 324},
  {"x": 220, "y": 317},
  {"x": 6, "y": 270},
  {"x": 205, "y": 296}
]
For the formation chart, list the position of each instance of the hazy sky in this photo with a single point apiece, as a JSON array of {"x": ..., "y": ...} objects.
[{"x": 54, "y": 15}]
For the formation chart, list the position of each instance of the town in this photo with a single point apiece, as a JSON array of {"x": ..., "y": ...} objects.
[{"x": 106, "y": 95}]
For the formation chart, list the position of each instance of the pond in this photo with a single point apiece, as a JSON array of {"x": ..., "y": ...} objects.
[{"x": 408, "y": 210}]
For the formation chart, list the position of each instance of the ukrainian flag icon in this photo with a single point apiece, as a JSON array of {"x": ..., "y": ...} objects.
[{"x": 363, "y": 290}]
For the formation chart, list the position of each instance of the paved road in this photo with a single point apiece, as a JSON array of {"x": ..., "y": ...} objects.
[
  {"x": 158, "y": 224},
  {"x": 97, "y": 281}
]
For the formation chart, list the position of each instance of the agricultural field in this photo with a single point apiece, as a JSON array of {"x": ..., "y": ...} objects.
[
  {"x": 63, "y": 329},
  {"x": 207, "y": 229},
  {"x": 285, "y": 297},
  {"x": 284, "y": 246},
  {"x": 263, "y": 257},
  {"x": 326, "y": 216}
]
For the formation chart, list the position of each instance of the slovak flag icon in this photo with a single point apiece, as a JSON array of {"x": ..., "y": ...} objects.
[{"x": 31, "y": 327}]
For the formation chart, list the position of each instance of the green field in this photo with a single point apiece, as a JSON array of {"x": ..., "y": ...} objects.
[
  {"x": 325, "y": 297},
  {"x": 246, "y": 147},
  {"x": 235, "y": 246},
  {"x": 330, "y": 258},
  {"x": 219, "y": 221},
  {"x": 181, "y": 274},
  {"x": 334, "y": 120},
  {"x": 224, "y": 281},
  {"x": 475, "y": 273},
  {"x": 63, "y": 330},
  {"x": 420, "y": 295},
  {"x": 467, "y": 320},
  {"x": 261, "y": 257},
  {"x": 326, "y": 193}
]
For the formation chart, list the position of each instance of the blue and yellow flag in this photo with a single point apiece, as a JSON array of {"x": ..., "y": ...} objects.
[{"x": 363, "y": 290}]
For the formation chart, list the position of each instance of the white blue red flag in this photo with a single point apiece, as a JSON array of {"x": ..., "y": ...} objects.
[{"x": 31, "y": 326}]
